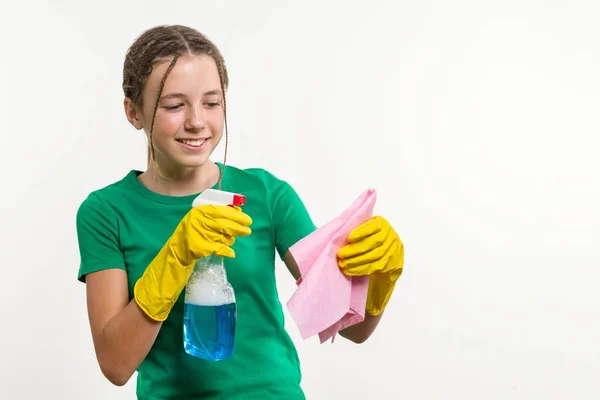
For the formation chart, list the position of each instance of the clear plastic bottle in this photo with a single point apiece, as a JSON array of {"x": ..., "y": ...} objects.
[{"x": 210, "y": 311}]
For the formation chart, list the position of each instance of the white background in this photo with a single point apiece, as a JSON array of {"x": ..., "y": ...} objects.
[{"x": 476, "y": 121}]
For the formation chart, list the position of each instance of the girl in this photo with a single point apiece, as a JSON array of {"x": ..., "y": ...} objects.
[{"x": 138, "y": 239}]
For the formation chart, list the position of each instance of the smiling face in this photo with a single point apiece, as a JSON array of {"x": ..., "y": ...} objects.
[{"x": 189, "y": 119}]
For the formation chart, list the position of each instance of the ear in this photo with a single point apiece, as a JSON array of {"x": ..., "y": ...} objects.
[{"x": 133, "y": 114}]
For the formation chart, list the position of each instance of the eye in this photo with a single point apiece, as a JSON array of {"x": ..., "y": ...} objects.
[
  {"x": 213, "y": 104},
  {"x": 173, "y": 107}
]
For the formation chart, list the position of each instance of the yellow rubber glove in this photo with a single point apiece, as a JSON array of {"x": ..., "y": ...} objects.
[
  {"x": 205, "y": 230},
  {"x": 374, "y": 249}
]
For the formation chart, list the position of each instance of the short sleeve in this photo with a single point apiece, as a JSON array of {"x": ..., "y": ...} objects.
[
  {"x": 291, "y": 219},
  {"x": 98, "y": 237}
]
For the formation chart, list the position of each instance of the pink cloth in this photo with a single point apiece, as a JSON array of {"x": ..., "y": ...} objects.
[{"x": 326, "y": 300}]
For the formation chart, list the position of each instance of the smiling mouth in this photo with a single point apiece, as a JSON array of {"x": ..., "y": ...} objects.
[{"x": 193, "y": 143}]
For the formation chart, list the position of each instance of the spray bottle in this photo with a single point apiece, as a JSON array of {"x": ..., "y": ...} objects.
[{"x": 210, "y": 310}]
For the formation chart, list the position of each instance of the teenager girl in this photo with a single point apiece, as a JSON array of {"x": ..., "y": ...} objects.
[{"x": 138, "y": 239}]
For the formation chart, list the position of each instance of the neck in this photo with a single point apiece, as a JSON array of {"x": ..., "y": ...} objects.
[{"x": 184, "y": 183}]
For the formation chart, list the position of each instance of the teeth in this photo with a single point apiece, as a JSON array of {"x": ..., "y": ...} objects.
[{"x": 193, "y": 142}]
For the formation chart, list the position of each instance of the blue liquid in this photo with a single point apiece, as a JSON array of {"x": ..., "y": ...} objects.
[{"x": 209, "y": 331}]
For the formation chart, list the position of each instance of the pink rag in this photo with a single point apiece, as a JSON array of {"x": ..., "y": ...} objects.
[{"x": 326, "y": 300}]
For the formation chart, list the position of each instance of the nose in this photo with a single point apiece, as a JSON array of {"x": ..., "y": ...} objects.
[{"x": 195, "y": 119}]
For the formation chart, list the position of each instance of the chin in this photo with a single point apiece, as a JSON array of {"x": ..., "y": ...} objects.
[{"x": 194, "y": 162}]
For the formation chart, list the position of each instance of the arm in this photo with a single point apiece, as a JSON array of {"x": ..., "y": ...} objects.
[
  {"x": 358, "y": 333},
  {"x": 122, "y": 333}
]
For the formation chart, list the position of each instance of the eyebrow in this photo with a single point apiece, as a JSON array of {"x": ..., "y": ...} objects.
[{"x": 179, "y": 95}]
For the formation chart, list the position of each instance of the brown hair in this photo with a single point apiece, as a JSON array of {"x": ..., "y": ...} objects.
[{"x": 159, "y": 44}]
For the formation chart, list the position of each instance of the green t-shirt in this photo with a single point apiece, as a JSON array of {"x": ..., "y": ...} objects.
[{"x": 124, "y": 225}]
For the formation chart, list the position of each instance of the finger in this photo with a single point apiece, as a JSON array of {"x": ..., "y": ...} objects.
[
  {"x": 225, "y": 251},
  {"x": 365, "y": 245},
  {"x": 225, "y": 212},
  {"x": 227, "y": 227},
  {"x": 371, "y": 227},
  {"x": 377, "y": 260},
  {"x": 225, "y": 239},
  {"x": 363, "y": 259},
  {"x": 353, "y": 250},
  {"x": 361, "y": 270},
  {"x": 201, "y": 249},
  {"x": 221, "y": 219}
]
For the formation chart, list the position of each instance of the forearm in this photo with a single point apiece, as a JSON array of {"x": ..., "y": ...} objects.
[
  {"x": 124, "y": 343},
  {"x": 360, "y": 332}
]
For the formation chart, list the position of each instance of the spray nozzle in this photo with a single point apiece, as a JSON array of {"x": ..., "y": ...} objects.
[{"x": 214, "y": 196}]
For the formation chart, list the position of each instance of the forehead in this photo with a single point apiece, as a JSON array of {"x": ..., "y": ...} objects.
[{"x": 192, "y": 74}]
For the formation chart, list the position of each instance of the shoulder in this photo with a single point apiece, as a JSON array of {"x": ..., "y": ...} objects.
[
  {"x": 290, "y": 219},
  {"x": 261, "y": 183},
  {"x": 257, "y": 182},
  {"x": 252, "y": 175},
  {"x": 98, "y": 231},
  {"x": 105, "y": 198},
  {"x": 113, "y": 190},
  {"x": 100, "y": 204}
]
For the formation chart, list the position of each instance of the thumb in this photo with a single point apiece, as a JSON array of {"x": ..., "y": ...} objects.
[{"x": 225, "y": 251}]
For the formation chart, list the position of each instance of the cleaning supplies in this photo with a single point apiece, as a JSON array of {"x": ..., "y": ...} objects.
[
  {"x": 210, "y": 311},
  {"x": 326, "y": 301},
  {"x": 205, "y": 230}
]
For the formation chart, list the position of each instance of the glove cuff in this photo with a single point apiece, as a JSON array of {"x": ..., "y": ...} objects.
[
  {"x": 161, "y": 284},
  {"x": 380, "y": 293},
  {"x": 155, "y": 308}
]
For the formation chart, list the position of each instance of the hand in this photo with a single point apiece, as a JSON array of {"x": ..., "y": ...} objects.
[
  {"x": 205, "y": 230},
  {"x": 208, "y": 230},
  {"x": 374, "y": 249}
]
